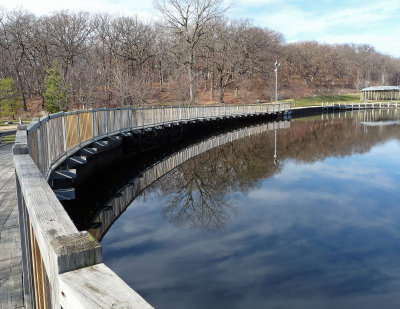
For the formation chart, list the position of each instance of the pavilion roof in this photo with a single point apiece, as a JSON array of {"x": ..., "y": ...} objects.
[{"x": 381, "y": 88}]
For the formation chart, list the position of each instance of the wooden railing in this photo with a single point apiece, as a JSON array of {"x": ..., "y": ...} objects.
[
  {"x": 62, "y": 266},
  {"x": 57, "y": 136},
  {"x": 355, "y": 106}
]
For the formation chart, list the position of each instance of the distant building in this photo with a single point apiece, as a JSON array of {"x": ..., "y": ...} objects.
[{"x": 377, "y": 93}]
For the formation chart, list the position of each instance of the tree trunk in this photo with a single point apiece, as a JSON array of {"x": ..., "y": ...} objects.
[
  {"x": 42, "y": 100},
  {"x": 24, "y": 100},
  {"x": 21, "y": 88},
  {"x": 206, "y": 76},
  {"x": 221, "y": 89},
  {"x": 212, "y": 84},
  {"x": 191, "y": 86},
  {"x": 161, "y": 76}
]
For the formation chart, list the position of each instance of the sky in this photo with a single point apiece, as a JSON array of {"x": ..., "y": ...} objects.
[{"x": 375, "y": 23}]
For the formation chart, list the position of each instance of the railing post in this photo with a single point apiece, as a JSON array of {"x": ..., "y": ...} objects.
[
  {"x": 120, "y": 119},
  {"x": 93, "y": 124},
  {"x": 78, "y": 127},
  {"x": 64, "y": 131},
  {"x": 47, "y": 126},
  {"x": 130, "y": 115},
  {"x": 40, "y": 148},
  {"x": 107, "y": 114}
]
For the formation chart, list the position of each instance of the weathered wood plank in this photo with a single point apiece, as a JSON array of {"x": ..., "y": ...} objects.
[
  {"x": 95, "y": 287},
  {"x": 11, "y": 287},
  {"x": 55, "y": 233}
]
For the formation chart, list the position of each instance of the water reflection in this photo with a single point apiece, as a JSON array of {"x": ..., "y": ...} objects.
[
  {"x": 199, "y": 188},
  {"x": 200, "y": 198},
  {"x": 319, "y": 229}
]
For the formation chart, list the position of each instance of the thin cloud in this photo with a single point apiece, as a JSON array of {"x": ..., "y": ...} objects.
[
  {"x": 143, "y": 9},
  {"x": 359, "y": 22}
]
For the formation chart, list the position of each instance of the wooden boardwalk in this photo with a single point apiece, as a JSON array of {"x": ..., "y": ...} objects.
[{"x": 11, "y": 295}]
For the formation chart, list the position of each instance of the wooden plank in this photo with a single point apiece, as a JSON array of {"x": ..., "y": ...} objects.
[
  {"x": 65, "y": 194},
  {"x": 64, "y": 174},
  {"x": 97, "y": 287},
  {"x": 11, "y": 287}
]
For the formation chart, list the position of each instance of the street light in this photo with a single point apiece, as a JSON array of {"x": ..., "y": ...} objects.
[
  {"x": 276, "y": 161},
  {"x": 276, "y": 81}
]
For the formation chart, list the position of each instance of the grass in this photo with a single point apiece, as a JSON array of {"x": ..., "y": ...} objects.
[
  {"x": 3, "y": 123},
  {"x": 8, "y": 139},
  {"x": 317, "y": 100},
  {"x": 15, "y": 122}
]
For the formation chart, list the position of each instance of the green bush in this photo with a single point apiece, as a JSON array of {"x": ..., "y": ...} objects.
[{"x": 10, "y": 99}]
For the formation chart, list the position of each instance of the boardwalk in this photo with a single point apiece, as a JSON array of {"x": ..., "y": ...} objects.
[{"x": 10, "y": 250}]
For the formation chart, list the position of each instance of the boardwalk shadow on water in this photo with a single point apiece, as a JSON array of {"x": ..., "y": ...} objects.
[
  {"x": 200, "y": 185},
  {"x": 109, "y": 182},
  {"x": 234, "y": 228}
]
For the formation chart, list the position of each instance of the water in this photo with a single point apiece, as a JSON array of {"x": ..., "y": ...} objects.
[{"x": 317, "y": 228}]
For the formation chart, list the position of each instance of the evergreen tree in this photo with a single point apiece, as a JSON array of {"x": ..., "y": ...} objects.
[
  {"x": 55, "y": 98},
  {"x": 10, "y": 99}
]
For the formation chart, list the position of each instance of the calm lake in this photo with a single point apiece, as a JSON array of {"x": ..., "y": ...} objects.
[{"x": 317, "y": 227}]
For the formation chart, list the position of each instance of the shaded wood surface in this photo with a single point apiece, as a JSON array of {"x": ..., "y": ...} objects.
[{"x": 11, "y": 291}]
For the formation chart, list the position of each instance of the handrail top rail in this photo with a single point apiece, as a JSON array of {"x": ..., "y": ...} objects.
[{"x": 34, "y": 125}]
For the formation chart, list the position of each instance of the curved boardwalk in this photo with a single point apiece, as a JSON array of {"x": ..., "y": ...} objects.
[{"x": 11, "y": 295}]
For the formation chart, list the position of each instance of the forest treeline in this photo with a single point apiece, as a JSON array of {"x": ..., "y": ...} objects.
[{"x": 192, "y": 54}]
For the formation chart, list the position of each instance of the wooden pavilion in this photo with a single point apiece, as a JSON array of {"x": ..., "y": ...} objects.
[{"x": 376, "y": 93}]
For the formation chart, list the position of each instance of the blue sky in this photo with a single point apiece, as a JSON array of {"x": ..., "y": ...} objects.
[{"x": 353, "y": 21}]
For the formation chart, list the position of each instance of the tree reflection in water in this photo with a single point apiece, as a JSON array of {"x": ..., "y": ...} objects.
[
  {"x": 197, "y": 203},
  {"x": 201, "y": 187}
]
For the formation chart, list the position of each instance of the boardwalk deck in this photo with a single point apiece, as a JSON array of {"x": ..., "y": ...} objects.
[{"x": 11, "y": 291}]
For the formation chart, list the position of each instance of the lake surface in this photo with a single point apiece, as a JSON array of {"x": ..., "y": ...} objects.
[{"x": 319, "y": 227}]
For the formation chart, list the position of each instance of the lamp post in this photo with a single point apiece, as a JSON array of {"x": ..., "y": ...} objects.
[
  {"x": 276, "y": 101},
  {"x": 275, "y": 153},
  {"x": 276, "y": 81}
]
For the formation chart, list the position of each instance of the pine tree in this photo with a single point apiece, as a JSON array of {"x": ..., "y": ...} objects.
[
  {"x": 10, "y": 99},
  {"x": 55, "y": 99}
]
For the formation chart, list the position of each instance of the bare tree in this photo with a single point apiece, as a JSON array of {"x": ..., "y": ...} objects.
[
  {"x": 14, "y": 29},
  {"x": 188, "y": 20},
  {"x": 70, "y": 34}
]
